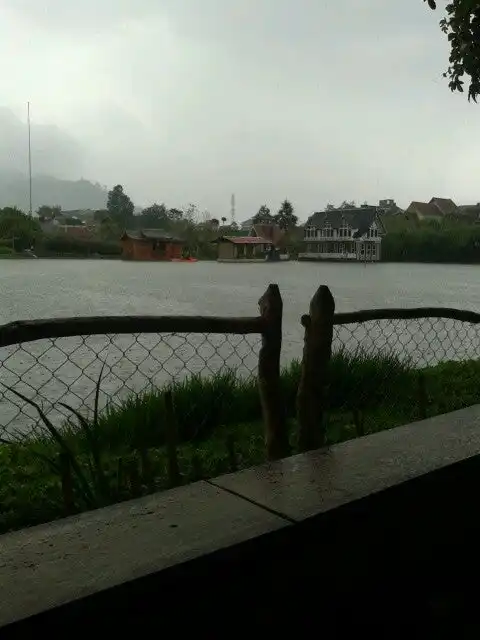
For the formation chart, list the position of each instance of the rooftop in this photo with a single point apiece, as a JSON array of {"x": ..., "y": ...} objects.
[
  {"x": 151, "y": 234},
  {"x": 359, "y": 218},
  {"x": 243, "y": 240}
]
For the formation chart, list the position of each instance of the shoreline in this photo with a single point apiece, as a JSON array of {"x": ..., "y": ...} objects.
[{"x": 294, "y": 260}]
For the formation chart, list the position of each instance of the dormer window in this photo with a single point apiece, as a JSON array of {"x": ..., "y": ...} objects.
[
  {"x": 373, "y": 232},
  {"x": 328, "y": 231},
  {"x": 345, "y": 231}
]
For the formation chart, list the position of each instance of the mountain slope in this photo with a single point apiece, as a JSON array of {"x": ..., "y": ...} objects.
[{"x": 69, "y": 194}]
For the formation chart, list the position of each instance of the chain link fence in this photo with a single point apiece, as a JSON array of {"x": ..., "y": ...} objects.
[
  {"x": 373, "y": 376},
  {"x": 384, "y": 372},
  {"x": 423, "y": 342},
  {"x": 67, "y": 370}
]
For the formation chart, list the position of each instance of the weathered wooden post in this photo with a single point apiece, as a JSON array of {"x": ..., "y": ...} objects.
[
  {"x": 271, "y": 397},
  {"x": 317, "y": 352}
]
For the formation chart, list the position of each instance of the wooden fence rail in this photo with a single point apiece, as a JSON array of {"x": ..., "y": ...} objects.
[
  {"x": 31, "y": 330},
  {"x": 416, "y": 313}
]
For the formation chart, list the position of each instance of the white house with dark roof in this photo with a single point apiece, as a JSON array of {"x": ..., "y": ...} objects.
[{"x": 353, "y": 234}]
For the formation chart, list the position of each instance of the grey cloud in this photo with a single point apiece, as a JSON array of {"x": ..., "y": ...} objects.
[
  {"x": 189, "y": 100},
  {"x": 54, "y": 151},
  {"x": 81, "y": 18}
]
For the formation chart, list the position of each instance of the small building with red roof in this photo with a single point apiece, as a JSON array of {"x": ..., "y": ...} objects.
[{"x": 254, "y": 247}]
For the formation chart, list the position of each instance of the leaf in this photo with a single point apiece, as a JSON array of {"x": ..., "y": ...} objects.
[
  {"x": 91, "y": 436},
  {"x": 86, "y": 490}
]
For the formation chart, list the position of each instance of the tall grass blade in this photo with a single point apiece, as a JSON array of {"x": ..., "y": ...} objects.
[{"x": 56, "y": 435}]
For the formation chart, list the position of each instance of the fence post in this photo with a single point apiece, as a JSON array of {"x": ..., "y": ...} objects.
[
  {"x": 271, "y": 397},
  {"x": 317, "y": 352}
]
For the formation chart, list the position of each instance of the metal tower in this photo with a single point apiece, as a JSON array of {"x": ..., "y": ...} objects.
[{"x": 232, "y": 209}]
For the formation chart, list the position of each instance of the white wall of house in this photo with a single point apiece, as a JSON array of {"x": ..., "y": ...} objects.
[{"x": 340, "y": 244}]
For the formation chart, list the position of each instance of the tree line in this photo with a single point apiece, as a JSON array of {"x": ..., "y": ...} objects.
[
  {"x": 447, "y": 241},
  {"x": 19, "y": 231}
]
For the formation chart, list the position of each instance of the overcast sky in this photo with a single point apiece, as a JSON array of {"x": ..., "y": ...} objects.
[{"x": 190, "y": 100}]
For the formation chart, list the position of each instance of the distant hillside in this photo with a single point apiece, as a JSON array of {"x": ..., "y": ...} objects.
[{"x": 69, "y": 194}]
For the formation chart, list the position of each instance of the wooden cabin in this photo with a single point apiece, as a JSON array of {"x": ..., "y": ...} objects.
[
  {"x": 242, "y": 248},
  {"x": 151, "y": 245},
  {"x": 255, "y": 247}
]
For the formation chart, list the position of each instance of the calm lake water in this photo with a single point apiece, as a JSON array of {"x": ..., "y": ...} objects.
[{"x": 32, "y": 289}]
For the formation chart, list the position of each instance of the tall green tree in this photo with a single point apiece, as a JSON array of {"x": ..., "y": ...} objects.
[
  {"x": 100, "y": 215},
  {"x": 156, "y": 216},
  {"x": 49, "y": 212},
  {"x": 120, "y": 207},
  {"x": 263, "y": 215},
  {"x": 175, "y": 214},
  {"x": 285, "y": 218},
  {"x": 461, "y": 25},
  {"x": 18, "y": 229}
]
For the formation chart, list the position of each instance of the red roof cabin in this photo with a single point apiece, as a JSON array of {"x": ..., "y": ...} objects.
[
  {"x": 233, "y": 248},
  {"x": 263, "y": 238},
  {"x": 151, "y": 245}
]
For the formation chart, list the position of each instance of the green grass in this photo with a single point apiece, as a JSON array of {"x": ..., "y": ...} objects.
[{"x": 122, "y": 452}]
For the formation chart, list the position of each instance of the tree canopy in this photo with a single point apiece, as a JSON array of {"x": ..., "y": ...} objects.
[
  {"x": 156, "y": 216},
  {"x": 120, "y": 207},
  {"x": 285, "y": 218},
  {"x": 263, "y": 215},
  {"x": 49, "y": 212},
  {"x": 18, "y": 229},
  {"x": 461, "y": 25}
]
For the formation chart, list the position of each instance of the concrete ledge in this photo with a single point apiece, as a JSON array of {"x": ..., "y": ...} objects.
[
  {"x": 306, "y": 485},
  {"x": 50, "y": 565},
  {"x": 360, "y": 521}
]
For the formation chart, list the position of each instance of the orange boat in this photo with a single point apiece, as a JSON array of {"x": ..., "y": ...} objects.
[{"x": 184, "y": 260}]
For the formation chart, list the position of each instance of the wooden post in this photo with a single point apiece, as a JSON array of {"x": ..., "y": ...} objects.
[
  {"x": 271, "y": 397},
  {"x": 171, "y": 441},
  {"x": 317, "y": 352}
]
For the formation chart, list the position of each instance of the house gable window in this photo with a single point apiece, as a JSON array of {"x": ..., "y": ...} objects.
[
  {"x": 327, "y": 230},
  {"x": 373, "y": 231},
  {"x": 345, "y": 231}
]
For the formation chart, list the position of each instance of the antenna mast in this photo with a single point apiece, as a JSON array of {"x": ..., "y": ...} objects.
[
  {"x": 232, "y": 209},
  {"x": 29, "y": 160}
]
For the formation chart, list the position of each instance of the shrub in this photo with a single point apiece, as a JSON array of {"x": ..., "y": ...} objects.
[{"x": 71, "y": 246}]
